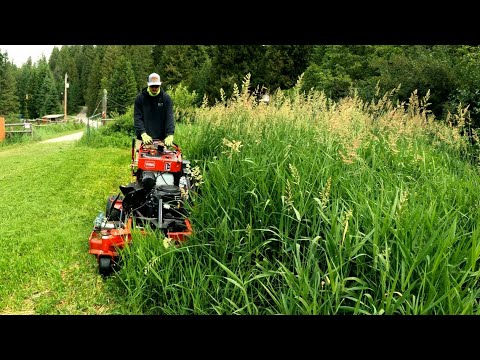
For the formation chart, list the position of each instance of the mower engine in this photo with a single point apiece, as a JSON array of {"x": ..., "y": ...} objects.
[{"x": 155, "y": 199}]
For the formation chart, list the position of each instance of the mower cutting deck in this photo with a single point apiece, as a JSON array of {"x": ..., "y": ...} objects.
[{"x": 155, "y": 199}]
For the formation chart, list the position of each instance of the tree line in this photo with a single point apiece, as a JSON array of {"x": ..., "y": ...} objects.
[{"x": 449, "y": 74}]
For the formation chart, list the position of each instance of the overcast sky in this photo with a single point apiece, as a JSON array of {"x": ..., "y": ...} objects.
[{"x": 19, "y": 53}]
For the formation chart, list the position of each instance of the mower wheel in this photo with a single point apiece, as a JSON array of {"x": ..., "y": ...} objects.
[{"x": 105, "y": 266}]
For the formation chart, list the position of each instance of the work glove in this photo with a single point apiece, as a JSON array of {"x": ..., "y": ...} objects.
[
  {"x": 168, "y": 140},
  {"x": 147, "y": 139}
]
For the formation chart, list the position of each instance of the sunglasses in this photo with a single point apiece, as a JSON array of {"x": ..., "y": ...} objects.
[{"x": 154, "y": 86}]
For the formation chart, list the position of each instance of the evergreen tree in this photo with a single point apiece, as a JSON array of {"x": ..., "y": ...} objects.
[
  {"x": 23, "y": 80},
  {"x": 199, "y": 82},
  {"x": 174, "y": 62},
  {"x": 8, "y": 98},
  {"x": 72, "y": 62},
  {"x": 157, "y": 56},
  {"x": 93, "y": 97},
  {"x": 283, "y": 64},
  {"x": 140, "y": 57},
  {"x": 122, "y": 87},
  {"x": 230, "y": 64},
  {"x": 30, "y": 94},
  {"x": 109, "y": 62},
  {"x": 55, "y": 63},
  {"x": 181, "y": 63},
  {"x": 49, "y": 96},
  {"x": 86, "y": 68},
  {"x": 40, "y": 72}
]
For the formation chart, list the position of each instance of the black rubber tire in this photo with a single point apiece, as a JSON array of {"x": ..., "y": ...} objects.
[{"x": 105, "y": 266}]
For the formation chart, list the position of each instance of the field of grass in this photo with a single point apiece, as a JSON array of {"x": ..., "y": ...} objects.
[
  {"x": 49, "y": 194},
  {"x": 305, "y": 207}
]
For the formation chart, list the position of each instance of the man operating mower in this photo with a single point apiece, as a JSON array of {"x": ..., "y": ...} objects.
[{"x": 153, "y": 113}]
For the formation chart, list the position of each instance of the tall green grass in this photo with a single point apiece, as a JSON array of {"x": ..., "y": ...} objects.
[{"x": 314, "y": 207}]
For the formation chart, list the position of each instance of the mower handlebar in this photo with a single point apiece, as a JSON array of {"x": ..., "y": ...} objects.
[{"x": 157, "y": 142}]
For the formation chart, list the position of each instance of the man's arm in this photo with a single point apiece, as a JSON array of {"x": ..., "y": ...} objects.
[
  {"x": 169, "y": 121},
  {"x": 138, "y": 123}
]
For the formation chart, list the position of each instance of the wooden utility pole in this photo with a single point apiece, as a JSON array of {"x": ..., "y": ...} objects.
[{"x": 65, "y": 100}]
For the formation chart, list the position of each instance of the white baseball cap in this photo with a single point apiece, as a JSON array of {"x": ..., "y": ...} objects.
[{"x": 154, "y": 79}]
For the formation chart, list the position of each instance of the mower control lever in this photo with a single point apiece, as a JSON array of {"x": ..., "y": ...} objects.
[{"x": 159, "y": 145}]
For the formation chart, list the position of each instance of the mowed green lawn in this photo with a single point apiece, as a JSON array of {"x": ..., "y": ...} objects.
[{"x": 50, "y": 194}]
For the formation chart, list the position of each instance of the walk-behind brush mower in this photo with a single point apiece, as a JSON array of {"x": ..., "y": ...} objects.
[{"x": 155, "y": 199}]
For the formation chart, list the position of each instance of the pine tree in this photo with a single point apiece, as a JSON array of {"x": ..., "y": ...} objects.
[
  {"x": 283, "y": 64},
  {"x": 109, "y": 61},
  {"x": 141, "y": 59},
  {"x": 86, "y": 67},
  {"x": 122, "y": 87},
  {"x": 49, "y": 95},
  {"x": 8, "y": 98},
  {"x": 181, "y": 64},
  {"x": 92, "y": 94},
  {"x": 230, "y": 64}
]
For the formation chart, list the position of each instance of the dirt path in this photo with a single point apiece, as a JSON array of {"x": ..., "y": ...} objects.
[
  {"x": 70, "y": 137},
  {"x": 81, "y": 116}
]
